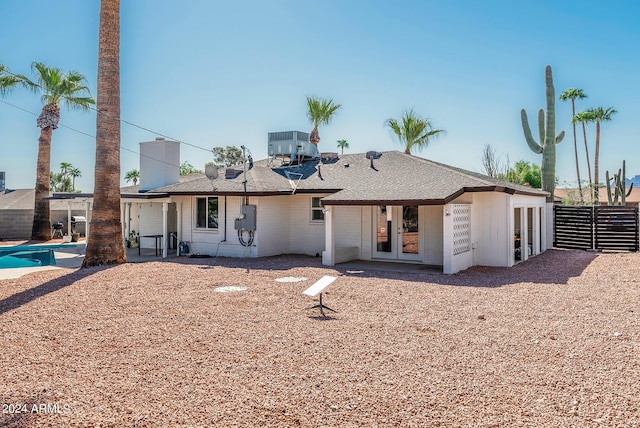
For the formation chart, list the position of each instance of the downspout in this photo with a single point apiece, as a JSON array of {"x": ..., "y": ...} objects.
[
  {"x": 225, "y": 219},
  {"x": 69, "y": 220},
  {"x": 128, "y": 211}
]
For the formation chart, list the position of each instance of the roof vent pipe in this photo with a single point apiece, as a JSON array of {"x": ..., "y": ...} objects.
[{"x": 371, "y": 156}]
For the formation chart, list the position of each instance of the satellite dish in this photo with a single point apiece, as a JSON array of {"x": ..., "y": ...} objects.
[{"x": 211, "y": 171}]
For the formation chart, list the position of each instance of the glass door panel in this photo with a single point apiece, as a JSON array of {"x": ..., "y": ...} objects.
[
  {"x": 410, "y": 232},
  {"x": 384, "y": 227},
  {"x": 396, "y": 232}
]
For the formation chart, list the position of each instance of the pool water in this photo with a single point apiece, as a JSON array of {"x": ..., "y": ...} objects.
[{"x": 29, "y": 255}]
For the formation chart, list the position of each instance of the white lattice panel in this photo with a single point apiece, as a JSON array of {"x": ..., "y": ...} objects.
[{"x": 461, "y": 216}]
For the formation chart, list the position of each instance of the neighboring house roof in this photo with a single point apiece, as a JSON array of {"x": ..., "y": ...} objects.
[
  {"x": 17, "y": 199},
  {"x": 632, "y": 199},
  {"x": 23, "y": 199},
  {"x": 394, "y": 178}
]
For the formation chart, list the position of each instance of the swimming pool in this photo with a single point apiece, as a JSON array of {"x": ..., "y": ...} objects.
[{"x": 29, "y": 255}]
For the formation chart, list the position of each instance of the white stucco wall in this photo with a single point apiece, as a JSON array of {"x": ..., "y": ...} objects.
[
  {"x": 366, "y": 233},
  {"x": 305, "y": 236},
  {"x": 347, "y": 227},
  {"x": 214, "y": 241},
  {"x": 159, "y": 163},
  {"x": 491, "y": 229},
  {"x": 454, "y": 262},
  {"x": 283, "y": 226},
  {"x": 431, "y": 223},
  {"x": 273, "y": 225},
  {"x": 493, "y": 226}
]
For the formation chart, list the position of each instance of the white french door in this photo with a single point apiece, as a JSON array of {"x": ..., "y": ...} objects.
[{"x": 396, "y": 233}]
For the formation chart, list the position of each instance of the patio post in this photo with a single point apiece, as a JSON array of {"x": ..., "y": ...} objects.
[
  {"x": 123, "y": 220},
  {"x": 87, "y": 217},
  {"x": 328, "y": 255},
  {"x": 179, "y": 227},
  {"x": 69, "y": 218},
  {"x": 165, "y": 209}
]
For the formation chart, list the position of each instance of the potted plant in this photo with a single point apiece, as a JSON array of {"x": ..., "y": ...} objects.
[{"x": 132, "y": 242}]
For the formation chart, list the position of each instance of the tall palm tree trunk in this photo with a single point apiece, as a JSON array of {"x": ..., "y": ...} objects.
[
  {"x": 586, "y": 150},
  {"x": 596, "y": 182},
  {"x": 314, "y": 137},
  {"x": 41, "y": 229},
  {"x": 575, "y": 149},
  {"x": 105, "y": 243}
]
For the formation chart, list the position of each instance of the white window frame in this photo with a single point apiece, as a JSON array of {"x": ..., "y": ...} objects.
[
  {"x": 313, "y": 209},
  {"x": 206, "y": 226}
]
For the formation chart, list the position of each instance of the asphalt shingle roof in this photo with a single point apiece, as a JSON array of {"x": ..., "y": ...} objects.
[
  {"x": 395, "y": 176},
  {"x": 23, "y": 199}
]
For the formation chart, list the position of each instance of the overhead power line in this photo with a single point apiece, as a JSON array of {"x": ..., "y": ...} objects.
[
  {"x": 119, "y": 118},
  {"x": 90, "y": 135}
]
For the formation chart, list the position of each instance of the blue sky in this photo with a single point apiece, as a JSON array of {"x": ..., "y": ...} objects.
[{"x": 216, "y": 73}]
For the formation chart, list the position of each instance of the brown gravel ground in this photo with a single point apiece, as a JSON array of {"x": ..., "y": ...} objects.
[{"x": 552, "y": 342}]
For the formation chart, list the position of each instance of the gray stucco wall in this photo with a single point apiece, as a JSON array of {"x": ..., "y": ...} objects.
[{"x": 16, "y": 224}]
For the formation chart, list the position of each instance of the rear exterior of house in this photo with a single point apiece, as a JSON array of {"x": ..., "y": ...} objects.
[
  {"x": 383, "y": 206},
  {"x": 391, "y": 207},
  {"x": 487, "y": 228}
]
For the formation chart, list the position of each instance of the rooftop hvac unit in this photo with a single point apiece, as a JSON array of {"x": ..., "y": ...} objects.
[{"x": 291, "y": 146}]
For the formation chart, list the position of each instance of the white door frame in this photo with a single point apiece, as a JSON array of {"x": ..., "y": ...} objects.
[{"x": 394, "y": 231}]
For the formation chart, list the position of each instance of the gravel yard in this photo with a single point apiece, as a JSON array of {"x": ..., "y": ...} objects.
[{"x": 552, "y": 342}]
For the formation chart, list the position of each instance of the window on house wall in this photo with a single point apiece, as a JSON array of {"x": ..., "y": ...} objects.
[
  {"x": 207, "y": 213},
  {"x": 316, "y": 210}
]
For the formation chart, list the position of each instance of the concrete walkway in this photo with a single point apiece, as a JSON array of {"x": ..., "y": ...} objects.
[{"x": 379, "y": 265}]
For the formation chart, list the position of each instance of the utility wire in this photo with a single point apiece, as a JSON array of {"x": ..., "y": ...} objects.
[
  {"x": 89, "y": 135},
  {"x": 110, "y": 116}
]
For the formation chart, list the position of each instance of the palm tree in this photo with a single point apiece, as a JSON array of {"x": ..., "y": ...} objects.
[
  {"x": 320, "y": 112},
  {"x": 413, "y": 131},
  {"x": 599, "y": 115},
  {"x": 8, "y": 80},
  {"x": 133, "y": 175},
  {"x": 58, "y": 183},
  {"x": 74, "y": 173},
  {"x": 572, "y": 94},
  {"x": 585, "y": 117},
  {"x": 64, "y": 168},
  {"x": 56, "y": 87},
  {"x": 342, "y": 144},
  {"x": 106, "y": 245}
]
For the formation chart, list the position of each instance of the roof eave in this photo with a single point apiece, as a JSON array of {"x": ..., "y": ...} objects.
[
  {"x": 435, "y": 201},
  {"x": 385, "y": 202}
]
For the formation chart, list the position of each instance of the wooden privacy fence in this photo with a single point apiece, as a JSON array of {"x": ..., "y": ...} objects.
[{"x": 600, "y": 227}]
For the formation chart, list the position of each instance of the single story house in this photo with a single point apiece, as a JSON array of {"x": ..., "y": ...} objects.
[{"x": 377, "y": 206}]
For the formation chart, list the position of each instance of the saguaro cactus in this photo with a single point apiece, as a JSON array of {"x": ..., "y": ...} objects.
[
  {"x": 548, "y": 139},
  {"x": 619, "y": 196}
]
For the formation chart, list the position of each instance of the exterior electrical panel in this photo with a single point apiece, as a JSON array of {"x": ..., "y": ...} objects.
[{"x": 247, "y": 220}]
